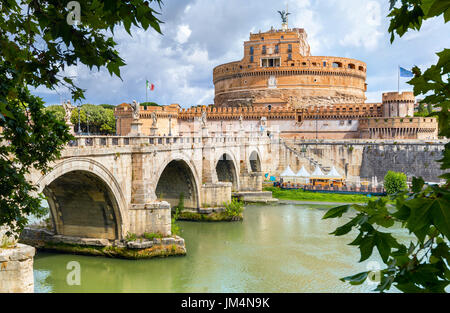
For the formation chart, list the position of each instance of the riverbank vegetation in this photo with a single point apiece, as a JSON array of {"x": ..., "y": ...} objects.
[{"x": 300, "y": 195}]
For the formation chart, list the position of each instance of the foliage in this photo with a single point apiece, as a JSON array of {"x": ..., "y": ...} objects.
[
  {"x": 422, "y": 265},
  {"x": 151, "y": 236},
  {"x": 394, "y": 182},
  {"x": 175, "y": 228},
  {"x": 101, "y": 120},
  {"x": 421, "y": 107},
  {"x": 180, "y": 207},
  {"x": 130, "y": 237},
  {"x": 150, "y": 104},
  {"x": 37, "y": 45},
  {"x": 234, "y": 208},
  {"x": 56, "y": 110},
  {"x": 301, "y": 195}
]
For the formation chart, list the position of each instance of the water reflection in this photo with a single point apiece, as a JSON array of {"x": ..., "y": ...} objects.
[{"x": 277, "y": 248}]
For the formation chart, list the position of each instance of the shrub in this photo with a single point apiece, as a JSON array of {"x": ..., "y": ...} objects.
[
  {"x": 394, "y": 182},
  {"x": 234, "y": 208},
  {"x": 151, "y": 236},
  {"x": 131, "y": 237},
  {"x": 175, "y": 228}
]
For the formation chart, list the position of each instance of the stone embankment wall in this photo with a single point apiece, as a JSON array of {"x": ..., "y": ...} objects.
[{"x": 366, "y": 159}]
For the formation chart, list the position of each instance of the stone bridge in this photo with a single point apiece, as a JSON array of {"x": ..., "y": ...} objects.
[{"x": 105, "y": 187}]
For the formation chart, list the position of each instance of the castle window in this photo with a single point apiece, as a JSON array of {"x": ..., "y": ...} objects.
[
  {"x": 277, "y": 50},
  {"x": 304, "y": 63},
  {"x": 289, "y": 48},
  {"x": 351, "y": 66},
  {"x": 262, "y": 38},
  {"x": 270, "y": 62},
  {"x": 324, "y": 63},
  {"x": 361, "y": 68},
  {"x": 289, "y": 56},
  {"x": 282, "y": 37},
  {"x": 263, "y": 49},
  {"x": 251, "y": 50},
  {"x": 337, "y": 64},
  {"x": 251, "y": 59}
]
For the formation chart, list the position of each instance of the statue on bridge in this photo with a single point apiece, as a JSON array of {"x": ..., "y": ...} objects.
[
  {"x": 68, "y": 108},
  {"x": 135, "y": 106}
]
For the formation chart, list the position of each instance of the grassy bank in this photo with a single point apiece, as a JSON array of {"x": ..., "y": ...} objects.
[{"x": 300, "y": 195}]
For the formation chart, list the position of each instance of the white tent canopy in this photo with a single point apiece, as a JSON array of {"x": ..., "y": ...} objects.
[
  {"x": 334, "y": 173},
  {"x": 303, "y": 172},
  {"x": 287, "y": 172},
  {"x": 317, "y": 172}
]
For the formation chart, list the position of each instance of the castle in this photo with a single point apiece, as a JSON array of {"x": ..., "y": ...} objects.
[{"x": 279, "y": 86}]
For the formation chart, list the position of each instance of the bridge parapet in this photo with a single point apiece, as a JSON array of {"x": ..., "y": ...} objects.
[{"x": 124, "y": 141}]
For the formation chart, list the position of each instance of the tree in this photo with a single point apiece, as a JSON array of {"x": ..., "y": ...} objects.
[
  {"x": 429, "y": 108},
  {"x": 422, "y": 265},
  {"x": 394, "y": 182},
  {"x": 421, "y": 107},
  {"x": 57, "y": 111},
  {"x": 39, "y": 40},
  {"x": 99, "y": 119}
]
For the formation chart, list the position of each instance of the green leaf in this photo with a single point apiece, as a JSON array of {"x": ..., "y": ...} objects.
[
  {"x": 366, "y": 247},
  {"x": 357, "y": 279},
  {"x": 440, "y": 213},
  {"x": 385, "y": 242},
  {"x": 417, "y": 184},
  {"x": 336, "y": 212}
]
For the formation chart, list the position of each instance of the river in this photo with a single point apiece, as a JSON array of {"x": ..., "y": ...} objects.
[{"x": 277, "y": 248}]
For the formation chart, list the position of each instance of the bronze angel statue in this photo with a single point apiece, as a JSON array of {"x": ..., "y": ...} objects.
[{"x": 284, "y": 16}]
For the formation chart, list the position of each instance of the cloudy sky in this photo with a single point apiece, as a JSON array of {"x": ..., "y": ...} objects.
[{"x": 201, "y": 34}]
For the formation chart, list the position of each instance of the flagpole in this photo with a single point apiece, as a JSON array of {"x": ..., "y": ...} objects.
[
  {"x": 398, "y": 83},
  {"x": 146, "y": 87}
]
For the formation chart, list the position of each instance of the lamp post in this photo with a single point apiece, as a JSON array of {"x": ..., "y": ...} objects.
[
  {"x": 87, "y": 122},
  {"x": 79, "y": 128}
]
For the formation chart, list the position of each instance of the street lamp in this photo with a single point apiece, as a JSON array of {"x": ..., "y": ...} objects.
[
  {"x": 87, "y": 121},
  {"x": 79, "y": 127}
]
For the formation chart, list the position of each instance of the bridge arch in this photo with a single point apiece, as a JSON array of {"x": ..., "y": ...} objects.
[
  {"x": 227, "y": 170},
  {"x": 178, "y": 176},
  {"x": 85, "y": 200},
  {"x": 254, "y": 161}
]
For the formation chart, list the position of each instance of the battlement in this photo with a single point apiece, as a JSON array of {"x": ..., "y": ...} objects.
[
  {"x": 312, "y": 65},
  {"x": 405, "y": 96}
]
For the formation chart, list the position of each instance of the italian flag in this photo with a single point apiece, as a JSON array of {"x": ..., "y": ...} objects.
[{"x": 150, "y": 86}]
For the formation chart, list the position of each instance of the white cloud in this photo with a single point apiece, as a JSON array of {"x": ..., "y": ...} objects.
[
  {"x": 364, "y": 25},
  {"x": 184, "y": 32}
]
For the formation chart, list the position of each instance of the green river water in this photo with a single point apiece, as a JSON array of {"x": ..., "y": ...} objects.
[{"x": 277, "y": 248}]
